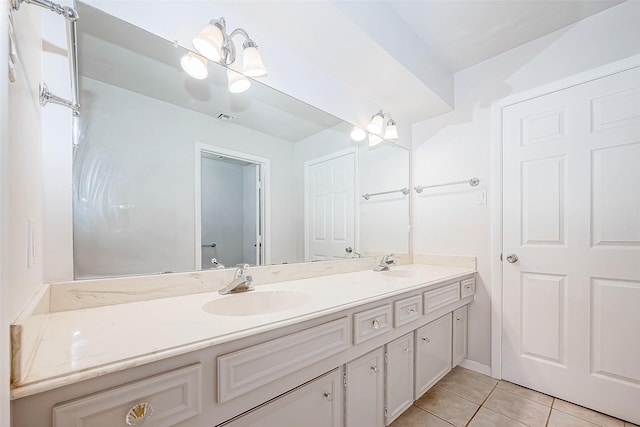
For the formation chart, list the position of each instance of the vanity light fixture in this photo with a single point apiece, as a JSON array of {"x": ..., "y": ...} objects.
[
  {"x": 213, "y": 43},
  {"x": 381, "y": 127}
]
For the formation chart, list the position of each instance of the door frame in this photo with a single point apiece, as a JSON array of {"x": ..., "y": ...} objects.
[
  {"x": 356, "y": 190},
  {"x": 496, "y": 180},
  {"x": 265, "y": 179}
]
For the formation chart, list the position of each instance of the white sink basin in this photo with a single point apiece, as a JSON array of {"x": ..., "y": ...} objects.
[
  {"x": 402, "y": 274},
  {"x": 254, "y": 303}
]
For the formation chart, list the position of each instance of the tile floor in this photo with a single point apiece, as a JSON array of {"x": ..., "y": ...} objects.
[{"x": 467, "y": 398}]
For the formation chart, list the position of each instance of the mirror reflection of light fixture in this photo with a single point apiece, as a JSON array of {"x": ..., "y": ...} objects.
[
  {"x": 381, "y": 127},
  {"x": 358, "y": 134},
  {"x": 238, "y": 83},
  {"x": 214, "y": 43},
  {"x": 195, "y": 65},
  {"x": 374, "y": 139}
]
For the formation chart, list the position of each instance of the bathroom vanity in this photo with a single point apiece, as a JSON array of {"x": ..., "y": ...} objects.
[{"x": 351, "y": 349}]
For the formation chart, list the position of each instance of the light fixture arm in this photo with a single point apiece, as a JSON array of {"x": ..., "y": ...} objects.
[{"x": 228, "y": 48}]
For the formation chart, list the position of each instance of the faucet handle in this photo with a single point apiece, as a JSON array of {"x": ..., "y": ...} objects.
[{"x": 242, "y": 268}]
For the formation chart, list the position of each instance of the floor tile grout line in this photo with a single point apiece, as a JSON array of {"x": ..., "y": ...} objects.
[
  {"x": 430, "y": 413},
  {"x": 481, "y": 404},
  {"x": 550, "y": 411}
]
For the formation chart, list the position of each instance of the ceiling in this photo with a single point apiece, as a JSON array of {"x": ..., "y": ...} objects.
[
  {"x": 352, "y": 58},
  {"x": 397, "y": 55},
  {"x": 463, "y": 33}
]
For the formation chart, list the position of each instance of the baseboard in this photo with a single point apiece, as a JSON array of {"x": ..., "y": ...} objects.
[{"x": 475, "y": 366}]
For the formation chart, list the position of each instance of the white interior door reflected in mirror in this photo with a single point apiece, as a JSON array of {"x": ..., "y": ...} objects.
[
  {"x": 230, "y": 207},
  {"x": 330, "y": 217}
]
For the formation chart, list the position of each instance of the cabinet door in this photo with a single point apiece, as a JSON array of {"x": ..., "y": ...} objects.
[
  {"x": 399, "y": 377},
  {"x": 316, "y": 404},
  {"x": 433, "y": 353},
  {"x": 365, "y": 391},
  {"x": 459, "y": 335}
]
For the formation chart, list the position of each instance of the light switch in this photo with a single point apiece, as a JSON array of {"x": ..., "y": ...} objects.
[{"x": 481, "y": 197}]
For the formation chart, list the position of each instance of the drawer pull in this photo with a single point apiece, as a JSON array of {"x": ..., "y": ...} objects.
[
  {"x": 410, "y": 311},
  {"x": 427, "y": 340},
  {"x": 328, "y": 396},
  {"x": 458, "y": 318},
  {"x": 467, "y": 286},
  {"x": 138, "y": 414},
  {"x": 375, "y": 324},
  {"x": 407, "y": 350},
  {"x": 374, "y": 369}
]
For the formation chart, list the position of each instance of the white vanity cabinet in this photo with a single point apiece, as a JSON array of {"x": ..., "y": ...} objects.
[
  {"x": 318, "y": 403},
  {"x": 361, "y": 366},
  {"x": 433, "y": 353},
  {"x": 459, "y": 335},
  {"x": 398, "y": 394},
  {"x": 364, "y": 396}
]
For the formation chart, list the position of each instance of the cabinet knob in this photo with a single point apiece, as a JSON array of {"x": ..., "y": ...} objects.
[
  {"x": 138, "y": 414},
  {"x": 407, "y": 350},
  {"x": 512, "y": 258},
  {"x": 410, "y": 310},
  {"x": 328, "y": 396},
  {"x": 458, "y": 318},
  {"x": 427, "y": 340},
  {"x": 374, "y": 369},
  {"x": 467, "y": 286},
  {"x": 375, "y": 324}
]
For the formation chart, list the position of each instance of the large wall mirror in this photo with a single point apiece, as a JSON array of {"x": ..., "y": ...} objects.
[{"x": 175, "y": 174}]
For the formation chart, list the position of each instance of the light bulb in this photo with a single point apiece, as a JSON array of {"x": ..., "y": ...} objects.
[
  {"x": 209, "y": 42},
  {"x": 195, "y": 65},
  {"x": 238, "y": 83},
  {"x": 358, "y": 134},
  {"x": 391, "y": 131},
  {"x": 252, "y": 65},
  {"x": 375, "y": 125}
]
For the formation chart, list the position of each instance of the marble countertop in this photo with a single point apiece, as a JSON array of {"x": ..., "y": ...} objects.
[{"x": 81, "y": 344}]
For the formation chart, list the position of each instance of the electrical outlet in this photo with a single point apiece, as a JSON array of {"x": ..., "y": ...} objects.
[{"x": 31, "y": 241}]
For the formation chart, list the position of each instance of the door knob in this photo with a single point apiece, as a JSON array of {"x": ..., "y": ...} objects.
[{"x": 512, "y": 258}]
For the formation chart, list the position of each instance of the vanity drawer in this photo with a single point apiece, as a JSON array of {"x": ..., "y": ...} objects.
[
  {"x": 467, "y": 287},
  {"x": 371, "y": 323},
  {"x": 407, "y": 310},
  {"x": 441, "y": 297},
  {"x": 173, "y": 397},
  {"x": 251, "y": 368}
]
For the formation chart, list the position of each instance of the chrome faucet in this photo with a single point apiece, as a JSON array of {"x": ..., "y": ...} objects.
[
  {"x": 385, "y": 262},
  {"x": 241, "y": 281}
]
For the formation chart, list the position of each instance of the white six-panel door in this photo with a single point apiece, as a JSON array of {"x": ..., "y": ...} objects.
[
  {"x": 571, "y": 300},
  {"x": 330, "y": 207}
]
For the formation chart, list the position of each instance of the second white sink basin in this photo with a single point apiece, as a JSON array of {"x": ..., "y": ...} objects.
[
  {"x": 402, "y": 274},
  {"x": 254, "y": 303}
]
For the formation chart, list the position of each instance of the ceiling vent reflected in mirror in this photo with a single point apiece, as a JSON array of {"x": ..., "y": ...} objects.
[{"x": 213, "y": 43}]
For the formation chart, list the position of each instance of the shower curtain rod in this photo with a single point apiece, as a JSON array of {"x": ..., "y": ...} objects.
[{"x": 71, "y": 16}]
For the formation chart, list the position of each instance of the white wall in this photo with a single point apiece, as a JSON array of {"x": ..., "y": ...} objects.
[
  {"x": 137, "y": 218},
  {"x": 25, "y": 167},
  {"x": 5, "y": 303},
  {"x": 384, "y": 219},
  {"x": 457, "y": 145}
]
